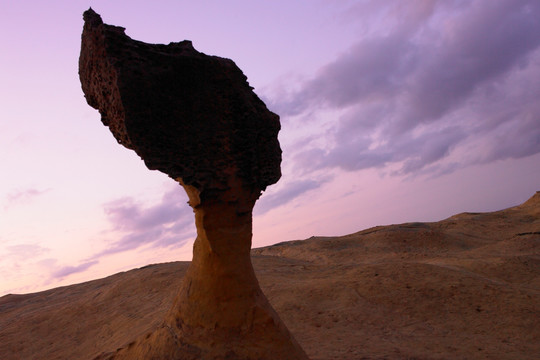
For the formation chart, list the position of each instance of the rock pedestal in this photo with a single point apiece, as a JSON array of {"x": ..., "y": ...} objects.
[{"x": 195, "y": 118}]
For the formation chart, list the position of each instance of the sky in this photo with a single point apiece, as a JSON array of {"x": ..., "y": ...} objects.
[{"x": 391, "y": 111}]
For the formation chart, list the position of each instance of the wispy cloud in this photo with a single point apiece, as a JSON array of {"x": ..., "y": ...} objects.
[
  {"x": 437, "y": 86},
  {"x": 64, "y": 271},
  {"x": 169, "y": 223},
  {"x": 24, "y": 196},
  {"x": 25, "y": 251},
  {"x": 290, "y": 192}
]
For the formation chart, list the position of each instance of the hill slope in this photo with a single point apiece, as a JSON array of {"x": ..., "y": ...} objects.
[{"x": 464, "y": 287}]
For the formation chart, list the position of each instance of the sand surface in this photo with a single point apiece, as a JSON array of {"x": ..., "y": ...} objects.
[{"x": 467, "y": 287}]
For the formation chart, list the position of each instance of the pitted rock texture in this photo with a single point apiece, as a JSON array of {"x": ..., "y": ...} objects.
[
  {"x": 195, "y": 118},
  {"x": 179, "y": 108}
]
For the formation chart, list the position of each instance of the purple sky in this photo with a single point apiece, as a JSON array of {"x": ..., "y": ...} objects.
[{"x": 391, "y": 111}]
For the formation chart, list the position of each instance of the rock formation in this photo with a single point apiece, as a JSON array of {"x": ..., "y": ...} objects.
[{"x": 195, "y": 118}]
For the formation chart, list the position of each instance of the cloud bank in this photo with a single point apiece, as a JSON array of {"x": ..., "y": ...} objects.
[{"x": 433, "y": 87}]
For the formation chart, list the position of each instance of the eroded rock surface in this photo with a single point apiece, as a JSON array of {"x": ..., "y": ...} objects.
[{"x": 195, "y": 118}]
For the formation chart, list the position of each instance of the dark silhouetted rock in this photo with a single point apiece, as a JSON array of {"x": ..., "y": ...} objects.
[
  {"x": 187, "y": 114},
  {"x": 195, "y": 118}
]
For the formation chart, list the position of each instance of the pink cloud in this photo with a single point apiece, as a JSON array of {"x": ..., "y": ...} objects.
[{"x": 25, "y": 196}]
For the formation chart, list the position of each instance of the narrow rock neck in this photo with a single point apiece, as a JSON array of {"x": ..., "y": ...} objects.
[
  {"x": 223, "y": 242},
  {"x": 220, "y": 289},
  {"x": 224, "y": 224}
]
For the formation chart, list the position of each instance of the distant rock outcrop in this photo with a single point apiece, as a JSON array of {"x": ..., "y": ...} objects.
[{"x": 195, "y": 118}]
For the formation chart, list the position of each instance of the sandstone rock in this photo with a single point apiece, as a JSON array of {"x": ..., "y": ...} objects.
[
  {"x": 462, "y": 288},
  {"x": 195, "y": 118}
]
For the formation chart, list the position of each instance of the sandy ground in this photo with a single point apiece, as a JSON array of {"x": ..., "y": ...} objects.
[{"x": 467, "y": 287}]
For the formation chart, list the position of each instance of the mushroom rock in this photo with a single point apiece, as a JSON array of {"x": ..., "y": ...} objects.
[{"x": 195, "y": 118}]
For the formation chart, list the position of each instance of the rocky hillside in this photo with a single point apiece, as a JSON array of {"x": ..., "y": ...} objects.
[{"x": 467, "y": 287}]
